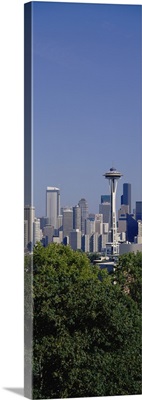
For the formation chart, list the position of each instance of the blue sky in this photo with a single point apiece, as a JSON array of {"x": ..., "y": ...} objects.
[{"x": 86, "y": 100}]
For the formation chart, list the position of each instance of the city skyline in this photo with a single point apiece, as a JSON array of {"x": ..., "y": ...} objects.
[
  {"x": 86, "y": 100},
  {"x": 104, "y": 199},
  {"x": 74, "y": 225}
]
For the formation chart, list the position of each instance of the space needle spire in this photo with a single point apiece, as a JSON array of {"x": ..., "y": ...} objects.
[{"x": 113, "y": 175}]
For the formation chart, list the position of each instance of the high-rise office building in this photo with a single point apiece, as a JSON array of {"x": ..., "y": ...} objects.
[
  {"x": 43, "y": 222},
  {"x": 75, "y": 239},
  {"x": 99, "y": 224},
  {"x": 84, "y": 213},
  {"x": 104, "y": 209},
  {"x": 77, "y": 217},
  {"x": 85, "y": 243},
  {"x": 132, "y": 228},
  {"x": 67, "y": 221},
  {"x": 138, "y": 210},
  {"x": 126, "y": 197},
  {"x": 52, "y": 205},
  {"x": 48, "y": 232},
  {"x": 105, "y": 198},
  {"x": 122, "y": 218},
  {"x": 94, "y": 243},
  {"x": 29, "y": 215},
  {"x": 89, "y": 226}
]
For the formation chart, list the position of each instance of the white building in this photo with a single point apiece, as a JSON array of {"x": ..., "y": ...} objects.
[
  {"x": 139, "y": 237},
  {"x": 52, "y": 205}
]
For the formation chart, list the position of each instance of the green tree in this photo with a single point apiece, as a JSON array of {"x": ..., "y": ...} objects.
[
  {"x": 128, "y": 274},
  {"x": 86, "y": 331},
  {"x": 28, "y": 325},
  {"x": 93, "y": 256}
]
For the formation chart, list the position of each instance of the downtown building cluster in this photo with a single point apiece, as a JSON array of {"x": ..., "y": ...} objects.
[{"x": 76, "y": 227}]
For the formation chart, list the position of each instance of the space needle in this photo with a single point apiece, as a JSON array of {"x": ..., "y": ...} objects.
[{"x": 113, "y": 175}]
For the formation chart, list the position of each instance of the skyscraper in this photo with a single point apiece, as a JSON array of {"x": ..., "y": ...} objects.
[
  {"x": 67, "y": 221},
  {"x": 52, "y": 205},
  {"x": 48, "y": 232},
  {"x": 138, "y": 210},
  {"x": 122, "y": 218},
  {"x": 84, "y": 213},
  {"x": 104, "y": 207},
  {"x": 99, "y": 223},
  {"x": 75, "y": 239},
  {"x": 126, "y": 197},
  {"x": 105, "y": 198},
  {"x": 77, "y": 217}
]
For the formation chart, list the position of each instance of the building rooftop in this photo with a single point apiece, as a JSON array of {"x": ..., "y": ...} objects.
[{"x": 52, "y": 188}]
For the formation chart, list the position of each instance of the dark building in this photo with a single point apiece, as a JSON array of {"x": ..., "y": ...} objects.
[
  {"x": 43, "y": 222},
  {"x": 132, "y": 228},
  {"x": 138, "y": 210},
  {"x": 105, "y": 198},
  {"x": 126, "y": 197}
]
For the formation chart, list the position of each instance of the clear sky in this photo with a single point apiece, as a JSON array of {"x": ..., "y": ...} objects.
[{"x": 86, "y": 100}]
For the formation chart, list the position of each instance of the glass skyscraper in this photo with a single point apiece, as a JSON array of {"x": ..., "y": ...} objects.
[{"x": 126, "y": 197}]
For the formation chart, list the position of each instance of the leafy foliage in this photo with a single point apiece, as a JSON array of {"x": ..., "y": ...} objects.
[
  {"x": 129, "y": 275},
  {"x": 86, "y": 331},
  {"x": 93, "y": 256}
]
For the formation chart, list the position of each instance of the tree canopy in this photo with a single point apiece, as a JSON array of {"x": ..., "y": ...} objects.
[{"x": 86, "y": 330}]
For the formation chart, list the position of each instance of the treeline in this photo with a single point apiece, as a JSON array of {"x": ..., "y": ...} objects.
[{"x": 86, "y": 324}]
